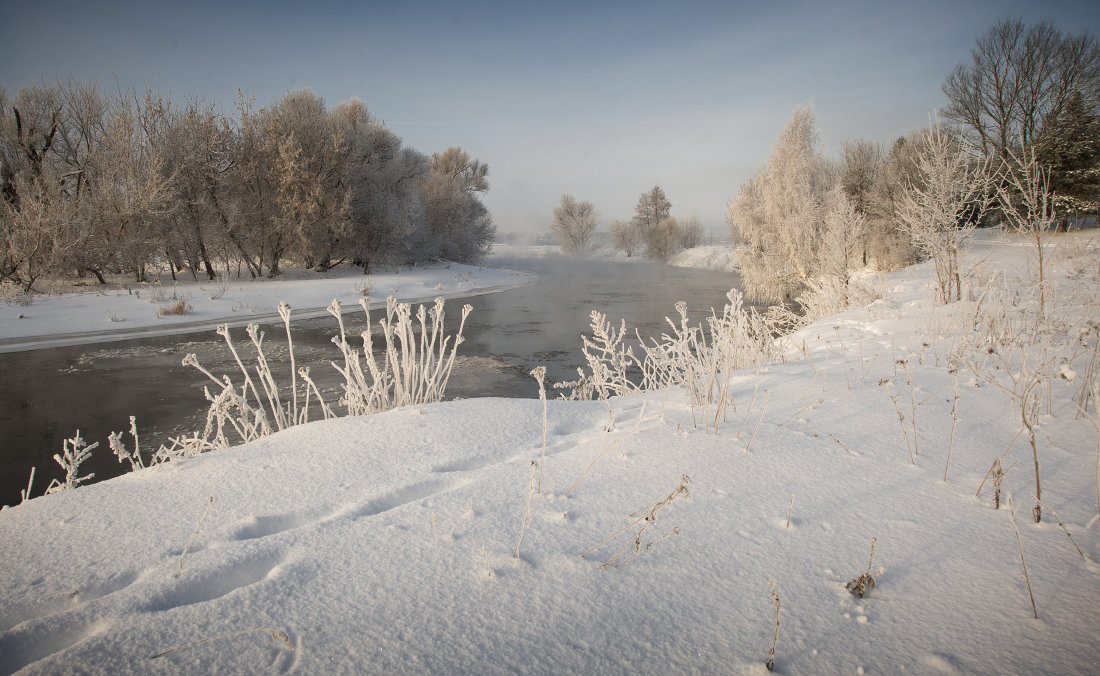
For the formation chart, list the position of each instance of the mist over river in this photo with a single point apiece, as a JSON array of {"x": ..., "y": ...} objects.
[{"x": 48, "y": 394}]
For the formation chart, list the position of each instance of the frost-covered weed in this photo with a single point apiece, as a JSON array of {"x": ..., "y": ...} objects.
[
  {"x": 413, "y": 370},
  {"x": 700, "y": 358},
  {"x": 114, "y": 440},
  {"x": 74, "y": 452}
]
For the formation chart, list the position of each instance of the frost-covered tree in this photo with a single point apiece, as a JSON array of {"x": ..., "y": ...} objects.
[
  {"x": 652, "y": 208},
  {"x": 777, "y": 215},
  {"x": 626, "y": 236},
  {"x": 457, "y": 219},
  {"x": 198, "y": 163},
  {"x": 945, "y": 204},
  {"x": 663, "y": 240},
  {"x": 887, "y": 243},
  {"x": 691, "y": 232},
  {"x": 573, "y": 223}
]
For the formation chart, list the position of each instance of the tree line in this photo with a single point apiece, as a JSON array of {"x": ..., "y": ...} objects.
[
  {"x": 95, "y": 182},
  {"x": 1021, "y": 130}
]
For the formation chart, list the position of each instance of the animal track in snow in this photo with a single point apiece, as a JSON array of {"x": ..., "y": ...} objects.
[
  {"x": 29, "y": 644},
  {"x": 263, "y": 526},
  {"x": 208, "y": 585},
  {"x": 16, "y": 612},
  {"x": 402, "y": 496}
]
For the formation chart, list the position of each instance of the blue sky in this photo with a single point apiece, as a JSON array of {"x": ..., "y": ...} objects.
[{"x": 599, "y": 100}]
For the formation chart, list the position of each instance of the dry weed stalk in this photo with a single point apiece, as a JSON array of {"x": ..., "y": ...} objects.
[
  {"x": 1066, "y": 531},
  {"x": 275, "y": 633},
  {"x": 539, "y": 373},
  {"x": 774, "y": 596},
  {"x": 865, "y": 582},
  {"x": 525, "y": 516},
  {"x": 1020, "y": 545},
  {"x": 187, "y": 546},
  {"x": 885, "y": 385},
  {"x": 644, "y": 518},
  {"x": 790, "y": 508},
  {"x": 650, "y": 423},
  {"x": 954, "y": 418},
  {"x": 747, "y": 411},
  {"x": 763, "y": 408}
]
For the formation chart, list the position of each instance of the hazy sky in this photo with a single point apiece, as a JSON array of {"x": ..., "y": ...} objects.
[{"x": 599, "y": 100}]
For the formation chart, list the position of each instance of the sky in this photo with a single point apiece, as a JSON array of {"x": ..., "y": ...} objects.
[{"x": 600, "y": 100}]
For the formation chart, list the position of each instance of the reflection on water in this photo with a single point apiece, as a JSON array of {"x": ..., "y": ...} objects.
[{"x": 48, "y": 394}]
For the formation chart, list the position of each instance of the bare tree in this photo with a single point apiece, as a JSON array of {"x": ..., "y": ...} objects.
[
  {"x": 573, "y": 223},
  {"x": 1017, "y": 76},
  {"x": 691, "y": 232},
  {"x": 626, "y": 236},
  {"x": 1028, "y": 204},
  {"x": 663, "y": 239}
]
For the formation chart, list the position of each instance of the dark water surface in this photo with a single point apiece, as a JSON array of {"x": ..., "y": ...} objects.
[{"x": 48, "y": 394}]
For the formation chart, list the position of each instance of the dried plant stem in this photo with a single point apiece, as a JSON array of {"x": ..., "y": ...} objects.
[
  {"x": 954, "y": 421},
  {"x": 525, "y": 517},
  {"x": 805, "y": 408},
  {"x": 646, "y": 516},
  {"x": 539, "y": 374},
  {"x": 275, "y": 633},
  {"x": 770, "y": 664},
  {"x": 635, "y": 430},
  {"x": 749, "y": 410},
  {"x": 26, "y": 495},
  {"x": 763, "y": 408},
  {"x": 179, "y": 568},
  {"x": 901, "y": 418},
  {"x": 790, "y": 508},
  {"x": 1020, "y": 545},
  {"x": 1066, "y": 531}
]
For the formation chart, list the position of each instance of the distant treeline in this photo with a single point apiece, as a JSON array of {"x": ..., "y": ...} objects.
[{"x": 95, "y": 182}]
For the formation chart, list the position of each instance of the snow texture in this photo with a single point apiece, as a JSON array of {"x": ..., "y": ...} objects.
[{"x": 383, "y": 544}]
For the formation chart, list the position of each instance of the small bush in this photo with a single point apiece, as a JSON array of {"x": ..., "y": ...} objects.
[{"x": 178, "y": 308}]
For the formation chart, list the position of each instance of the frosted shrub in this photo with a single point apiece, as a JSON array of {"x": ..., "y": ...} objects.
[{"x": 74, "y": 452}]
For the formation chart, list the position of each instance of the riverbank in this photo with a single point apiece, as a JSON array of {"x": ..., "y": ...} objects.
[
  {"x": 391, "y": 543},
  {"x": 125, "y": 311}
]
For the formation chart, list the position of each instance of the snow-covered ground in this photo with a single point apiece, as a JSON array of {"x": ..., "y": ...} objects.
[
  {"x": 133, "y": 310},
  {"x": 385, "y": 544}
]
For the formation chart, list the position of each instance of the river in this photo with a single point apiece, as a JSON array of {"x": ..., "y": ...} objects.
[{"x": 50, "y": 393}]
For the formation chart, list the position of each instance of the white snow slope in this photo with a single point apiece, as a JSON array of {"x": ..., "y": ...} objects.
[{"x": 385, "y": 544}]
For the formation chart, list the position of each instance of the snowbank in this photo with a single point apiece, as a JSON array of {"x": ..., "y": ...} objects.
[
  {"x": 708, "y": 257},
  {"x": 385, "y": 544}
]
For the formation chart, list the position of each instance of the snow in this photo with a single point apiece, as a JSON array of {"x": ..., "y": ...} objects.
[
  {"x": 384, "y": 544},
  {"x": 132, "y": 310},
  {"x": 708, "y": 257}
]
